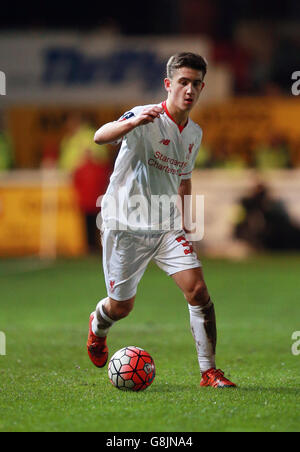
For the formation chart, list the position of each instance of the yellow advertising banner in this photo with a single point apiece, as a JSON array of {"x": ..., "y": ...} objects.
[
  {"x": 34, "y": 130},
  {"x": 259, "y": 117},
  {"x": 237, "y": 125},
  {"x": 240, "y": 128},
  {"x": 40, "y": 221}
]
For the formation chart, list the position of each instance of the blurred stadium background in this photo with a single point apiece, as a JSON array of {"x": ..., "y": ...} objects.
[{"x": 68, "y": 71}]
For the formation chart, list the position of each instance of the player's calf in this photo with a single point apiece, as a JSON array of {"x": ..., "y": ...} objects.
[
  {"x": 107, "y": 312},
  {"x": 96, "y": 346},
  {"x": 102, "y": 322},
  {"x": 203, "y": 327},
  {"x": 117, "y": 310}
]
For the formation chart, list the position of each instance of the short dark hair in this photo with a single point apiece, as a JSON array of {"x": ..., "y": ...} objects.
[{"x": 186, "y": 59}]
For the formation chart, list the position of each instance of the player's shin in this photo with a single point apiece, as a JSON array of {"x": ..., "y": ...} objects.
[
  {"x": 101, "y": 322},
  {"x": 203, "y": 326}
]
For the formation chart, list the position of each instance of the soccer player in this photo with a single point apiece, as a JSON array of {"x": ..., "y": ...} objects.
[{"x": 159, "y": 147}]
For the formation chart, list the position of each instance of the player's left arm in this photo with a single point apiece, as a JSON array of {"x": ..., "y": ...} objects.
[{"x": 185, "y": 189}]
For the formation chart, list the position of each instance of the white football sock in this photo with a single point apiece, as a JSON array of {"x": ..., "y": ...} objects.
[
  {"x": 203, "y": 326},
  {"x": 101, "y": 322}
]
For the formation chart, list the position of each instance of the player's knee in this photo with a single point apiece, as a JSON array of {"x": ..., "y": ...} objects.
[{"x": 199, "y": 294}]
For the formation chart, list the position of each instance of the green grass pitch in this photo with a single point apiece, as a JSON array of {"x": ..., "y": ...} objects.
[{"x": 47, "y": 382}]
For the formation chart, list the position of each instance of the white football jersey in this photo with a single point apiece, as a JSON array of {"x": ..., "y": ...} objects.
[{"x": 153, "y": 160}]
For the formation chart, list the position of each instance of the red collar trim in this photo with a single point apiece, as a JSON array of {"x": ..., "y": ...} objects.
[{"x": 164, "y": 104}]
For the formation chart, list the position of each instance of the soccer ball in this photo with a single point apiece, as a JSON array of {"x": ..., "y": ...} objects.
[{"x": 131, "y": 368}]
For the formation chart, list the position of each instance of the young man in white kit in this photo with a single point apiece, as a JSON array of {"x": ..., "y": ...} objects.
[{"x": 159, "y": 147}]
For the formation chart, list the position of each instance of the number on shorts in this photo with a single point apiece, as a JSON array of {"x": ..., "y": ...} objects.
[{"x": 185, "y": 244}]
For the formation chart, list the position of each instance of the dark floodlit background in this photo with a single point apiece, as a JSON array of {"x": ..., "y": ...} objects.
[{"x": 68, "y": 69}]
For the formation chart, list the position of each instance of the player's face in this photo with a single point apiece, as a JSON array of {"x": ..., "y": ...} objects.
[{"x": 184, "y": 88}]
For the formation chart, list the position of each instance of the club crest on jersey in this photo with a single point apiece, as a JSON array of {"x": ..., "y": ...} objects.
[
  {"x": 127, "y": 115},
  {"x": 165, "y": 142},
  {"x": 112, "y": 285},
  {"x": 188, "y": 155}
]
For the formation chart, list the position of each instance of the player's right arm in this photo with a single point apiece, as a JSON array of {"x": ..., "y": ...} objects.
[{"x": 114, "y": 131}]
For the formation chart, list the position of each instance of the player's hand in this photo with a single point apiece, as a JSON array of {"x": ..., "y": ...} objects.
[{"x": 149, "y": 114}]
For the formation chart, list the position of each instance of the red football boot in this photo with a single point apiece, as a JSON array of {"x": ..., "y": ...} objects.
[
  {"x": 96, "y": 347},
  {"x": 215, "y": 378}
]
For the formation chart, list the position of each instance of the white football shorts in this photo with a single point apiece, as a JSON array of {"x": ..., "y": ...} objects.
[{"x": 127, "y": 254}]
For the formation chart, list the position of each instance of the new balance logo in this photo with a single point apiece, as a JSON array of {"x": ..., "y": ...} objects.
[
  {"x": 127, "y": 115},
  {"x": 165, "y": 142}
]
